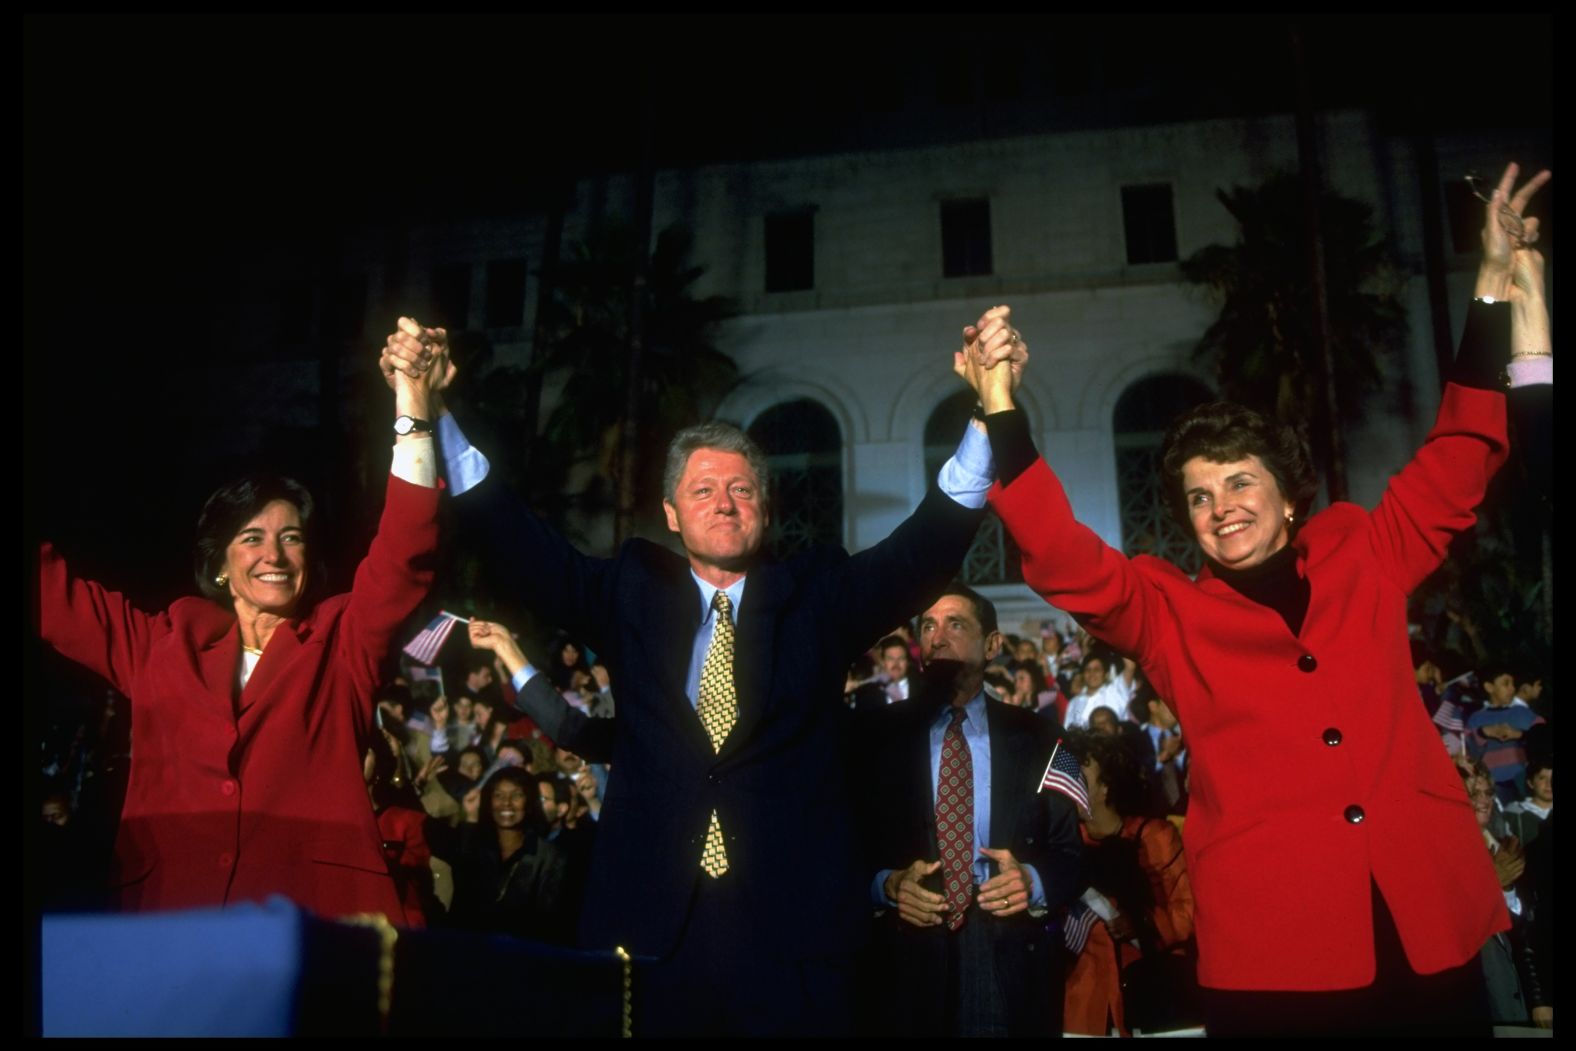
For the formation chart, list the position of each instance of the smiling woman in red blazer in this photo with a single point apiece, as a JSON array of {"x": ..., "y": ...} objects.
[
  {"x": 1340, "y": 881},
  {"x": 252, "y": 705}
]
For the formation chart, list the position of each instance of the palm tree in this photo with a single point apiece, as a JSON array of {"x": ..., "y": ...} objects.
[
  {"x": 1263, "y": 345},
  {"x": 681, "y": 374}
]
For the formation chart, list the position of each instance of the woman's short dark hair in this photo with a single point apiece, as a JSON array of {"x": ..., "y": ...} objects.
[
  {"x": 534, "y": 817},
  {"x": 231, "y": 506},
  {"x": 1224, "y": 432},
  {"x": 1036, "y": 675},
  {"x": 1126, "y": 791}
]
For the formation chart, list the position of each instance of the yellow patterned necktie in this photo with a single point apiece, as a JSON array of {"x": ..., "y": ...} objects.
[{"x": 718, "y": 708}]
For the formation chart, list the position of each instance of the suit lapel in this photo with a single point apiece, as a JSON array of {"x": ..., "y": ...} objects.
[
  {"x": 672, "y": 633},
  {"x": 1006, "y": 791},
  {"x": 754, "y": 651},
  {"x": 917, "y": 716}
]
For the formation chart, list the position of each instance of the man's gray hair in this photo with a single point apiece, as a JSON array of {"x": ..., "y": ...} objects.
[{"x": 714, "y": 435}]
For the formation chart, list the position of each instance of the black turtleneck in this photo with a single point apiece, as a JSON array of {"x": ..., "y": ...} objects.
[{"x": 1274, "y": 582}]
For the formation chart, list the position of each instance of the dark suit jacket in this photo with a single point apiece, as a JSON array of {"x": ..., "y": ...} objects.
[
  {"x": 778, "y": 784},
  {"x": 559, "y": 720},
  {"x": 899, "y": 827}
]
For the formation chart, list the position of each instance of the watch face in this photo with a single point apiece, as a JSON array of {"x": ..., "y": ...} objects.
[{"x": 411, "y": 425}]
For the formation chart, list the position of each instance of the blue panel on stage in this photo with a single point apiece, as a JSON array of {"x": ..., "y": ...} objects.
[{"x": 208, "y": 972}]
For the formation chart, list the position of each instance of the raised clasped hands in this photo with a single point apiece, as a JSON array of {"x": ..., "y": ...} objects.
[
  {"x": 417, "y": 353},
  {"x": 992, "y": 359}
]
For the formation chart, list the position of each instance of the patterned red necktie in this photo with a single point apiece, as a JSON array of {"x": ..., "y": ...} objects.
[{"x": 955, "y": 820}]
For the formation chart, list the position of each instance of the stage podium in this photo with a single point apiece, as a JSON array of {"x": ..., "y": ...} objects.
[{"x": 272, "y": 970}]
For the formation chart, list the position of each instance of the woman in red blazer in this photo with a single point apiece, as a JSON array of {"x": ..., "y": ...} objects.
[
  {"x": 1340, "y": 880},
  {"x": 251, "y": 706}
]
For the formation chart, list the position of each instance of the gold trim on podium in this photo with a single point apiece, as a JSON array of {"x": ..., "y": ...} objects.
[{"x": 388, "y": 938}]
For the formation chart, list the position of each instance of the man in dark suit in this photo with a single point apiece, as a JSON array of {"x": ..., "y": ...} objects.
[
  {"x": 896, "y": 682},
  {"x": 901, "y": 682},
  {"x": 969, "y": 855},
  {"x": 724, "y": 848}
]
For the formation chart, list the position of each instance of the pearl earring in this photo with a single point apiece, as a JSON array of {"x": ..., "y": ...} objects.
[{"x": 221, "y": 580}]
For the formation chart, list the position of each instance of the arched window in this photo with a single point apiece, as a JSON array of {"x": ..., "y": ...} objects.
[
  {"x": 804, "y": 446},
  {"x": 994, "y": 558},
  {"x": 1138, "y": 426}
]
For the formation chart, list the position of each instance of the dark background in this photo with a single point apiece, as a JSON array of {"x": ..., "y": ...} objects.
[{"x": 182, "y": 174}]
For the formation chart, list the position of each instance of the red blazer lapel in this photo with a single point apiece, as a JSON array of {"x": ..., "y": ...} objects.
[
  {"x": 277, "y": 655},
  {"x": 216, "y": 649}
]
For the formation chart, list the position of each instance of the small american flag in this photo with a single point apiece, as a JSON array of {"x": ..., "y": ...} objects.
[
  {"x": 1063, "y": 774},
  {"x": 1076, "y": 925},
  {"x": 1448, "y": 717},
  {"x": 429, "y": 640}
]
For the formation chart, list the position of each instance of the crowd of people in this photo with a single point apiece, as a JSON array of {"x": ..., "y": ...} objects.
[
  {"x": 1225, "y": 799},
  {"x": 488, "y": 825}
]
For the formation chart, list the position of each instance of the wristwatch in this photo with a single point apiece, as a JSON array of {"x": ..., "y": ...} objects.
[{"x": 411, "y": 425}]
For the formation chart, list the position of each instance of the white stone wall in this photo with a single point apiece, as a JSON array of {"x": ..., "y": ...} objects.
[{"x": 872, "y": 341}]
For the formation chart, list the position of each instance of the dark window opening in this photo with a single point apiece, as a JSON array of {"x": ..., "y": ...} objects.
[
  {"x": 1150, "y": 222},
  {"x": 965, "y": 238},
  {"x": 1138, "y": 427},
  {"x": 803, "y": 445},
  {"x": 790, "y": 252}
]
